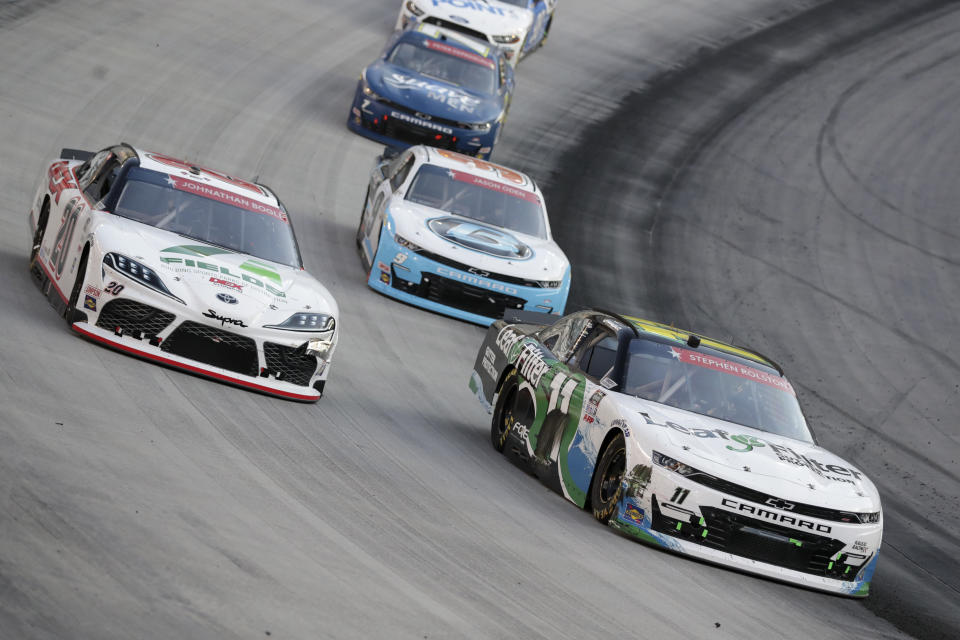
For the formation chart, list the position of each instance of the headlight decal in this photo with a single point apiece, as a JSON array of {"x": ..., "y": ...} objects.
[{"x": 138, "y": 272}]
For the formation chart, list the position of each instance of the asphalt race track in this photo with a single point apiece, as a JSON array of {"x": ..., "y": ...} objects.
[{"x": 817, "y": 225}]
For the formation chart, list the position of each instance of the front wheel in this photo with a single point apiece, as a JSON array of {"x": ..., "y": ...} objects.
[
  {"x": 41, "y": 228},
  {"x": 607, "y": 481},
  {"x": 72, "y": 313}
]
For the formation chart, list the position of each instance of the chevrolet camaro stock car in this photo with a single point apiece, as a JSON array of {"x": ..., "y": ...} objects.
[
  {"x": 681, "y": 441},
  {"x": 460, "y": 236},
  {"x": 516, "y": 26},
  {"x": 436, "y": 87},
  {"x": 184, "y": 266}
]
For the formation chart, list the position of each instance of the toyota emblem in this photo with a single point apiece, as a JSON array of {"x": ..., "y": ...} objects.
[{"x": 226, "y": 297}]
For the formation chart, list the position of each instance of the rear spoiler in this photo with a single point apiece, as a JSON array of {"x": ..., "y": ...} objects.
[
  {"x": 75, "y": 154},
  {"x": 522, "y": 316}
]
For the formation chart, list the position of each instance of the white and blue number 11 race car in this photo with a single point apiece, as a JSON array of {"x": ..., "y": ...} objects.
[
  {"x": 460, "y": 236},
  {"x": 184, "y": 266},
  {"x": 684, "y": 442}
]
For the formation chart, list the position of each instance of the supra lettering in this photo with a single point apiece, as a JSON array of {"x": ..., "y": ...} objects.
[{"x": 210, "y": 313}]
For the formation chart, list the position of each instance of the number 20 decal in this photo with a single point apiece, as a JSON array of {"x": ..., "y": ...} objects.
[
  {"x": 58, "y": 257},
  {"x": 114, "y": 288}
]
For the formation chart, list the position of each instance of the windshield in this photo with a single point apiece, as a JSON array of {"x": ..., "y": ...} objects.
[
  {"x": 481, "y": 199},
  {"x": 720, "y": 387},
  {"x": 447, "y": 63},
  {"x": 164, "y": 202}
]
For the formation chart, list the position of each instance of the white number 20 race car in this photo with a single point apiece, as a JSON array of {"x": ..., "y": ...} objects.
[
  {"x": 182, "y": 265},
  {"x": 681, "y": 441}
]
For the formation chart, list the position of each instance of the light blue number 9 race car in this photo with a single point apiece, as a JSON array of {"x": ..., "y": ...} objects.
[{"x": 460, "y": 236}]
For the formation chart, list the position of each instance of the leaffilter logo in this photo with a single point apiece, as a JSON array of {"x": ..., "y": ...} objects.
[{"x": 749, "y": 443}]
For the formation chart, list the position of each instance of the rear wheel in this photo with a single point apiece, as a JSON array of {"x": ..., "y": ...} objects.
[
  {"x": 607, "y": 481},
  {"x": 515, "y": 411}
]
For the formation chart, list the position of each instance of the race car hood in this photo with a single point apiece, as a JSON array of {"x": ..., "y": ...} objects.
[
  {"x": 763, "y": 461},
  {"x": 431, "y": 96},
  {"x": 214, "y": 280},
  {"x": 487, "y": 16},
  {"x": 487, "y": 248}
]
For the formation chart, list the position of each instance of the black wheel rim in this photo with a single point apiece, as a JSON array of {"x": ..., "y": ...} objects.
[{"x": 612, "y": 475}]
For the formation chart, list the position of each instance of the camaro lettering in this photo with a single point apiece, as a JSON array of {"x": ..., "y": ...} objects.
[
  {"x": 210, "y": 313},
  {"x": 475, "y": 280},
  {"x": 399, "y": 115},
  {"x": 775, "y": 516}
]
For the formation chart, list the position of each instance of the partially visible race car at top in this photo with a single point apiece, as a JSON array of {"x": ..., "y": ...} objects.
[
  {"x": 684, "y": 442},
  {"x": 184, "y": 266},
  {"x": 460, "y": 236},
  {"x": 516, "y": 26},
  {"x": 437, "y": 87}
]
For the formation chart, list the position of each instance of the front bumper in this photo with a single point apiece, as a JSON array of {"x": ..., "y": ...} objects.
[
  {"x": 397, "y": 126},
  {"x": 681, "y": 515},
  {"x": 149, "y": 325},
  {"x": 419, "y": 280}
]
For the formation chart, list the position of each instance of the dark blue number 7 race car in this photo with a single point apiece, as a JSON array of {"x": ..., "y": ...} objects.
[{"x": 436, "y": 87}]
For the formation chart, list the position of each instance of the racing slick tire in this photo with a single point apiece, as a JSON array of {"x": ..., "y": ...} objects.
[
  {"x": 41, "y": 229},
  {"x": 513, "y": 407},
  {"x": 72, "y": 313},
  {"x": 605, "y": 488}
]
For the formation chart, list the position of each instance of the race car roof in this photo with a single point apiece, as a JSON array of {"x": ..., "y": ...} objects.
[
  {"x": 182, "y": 169},
  {"x": 673, "y": 333},
  {"x": 482, "y": 168}
]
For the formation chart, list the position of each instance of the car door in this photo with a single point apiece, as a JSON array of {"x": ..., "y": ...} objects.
[
  {"x": 385, "y": 181},
  {"x": 540, "y": 14}
]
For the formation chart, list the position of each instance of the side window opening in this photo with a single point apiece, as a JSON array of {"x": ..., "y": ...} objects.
[{"x": 402, "y": 172}]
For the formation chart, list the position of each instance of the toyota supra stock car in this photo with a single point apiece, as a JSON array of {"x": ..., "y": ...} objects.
[
  {"x": 184, "y": 266},
  {"x": 508, "y": 24},
  {"x": 684, "y": 442},
  {"x": 459, "y": 236},
  {"x": 433, "y": 86}
]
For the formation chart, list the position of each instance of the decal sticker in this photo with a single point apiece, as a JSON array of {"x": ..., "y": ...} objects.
[
  {"x": 220, "y": 282},
  {"x": 90, "y": 303},
  {"x": 60, "y": 178},
  {"x": 475, "y": 280},
  {"x": 748, "y": 443},
  {"x": 58, "y": 257},
  {"x": 426, "y": 124},
  {"x": 489, "y": 357},
  {"x": 227, "y": 197},
  {"x": 250, "y": 269},
  {"x": 457, "y": 52},
  {"x": 447, "y": 95},
  {"x": 775, "y": 516},
  {"x": 679, "y": 495},
  {"x": 185, "y": 166},
  {"x": 92, "y": 291},
  {"x": 210, "y": 313},
  {"x": 483, "y": 165},
  {"x": 481, "y": 238},
  {"x": 473, "y": 5},
  {"x": 632, "y": 512},
  {"x": 493, "y": 185},
  {"x": 734, "y": 368},
  {"x": 113, "y": 288}
]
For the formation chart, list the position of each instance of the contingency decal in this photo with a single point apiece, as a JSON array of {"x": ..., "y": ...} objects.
[
  {"x": 733, "y": 368},
  {"x": 186, "y": 166},
  {"x": 483, "y": 165}
]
